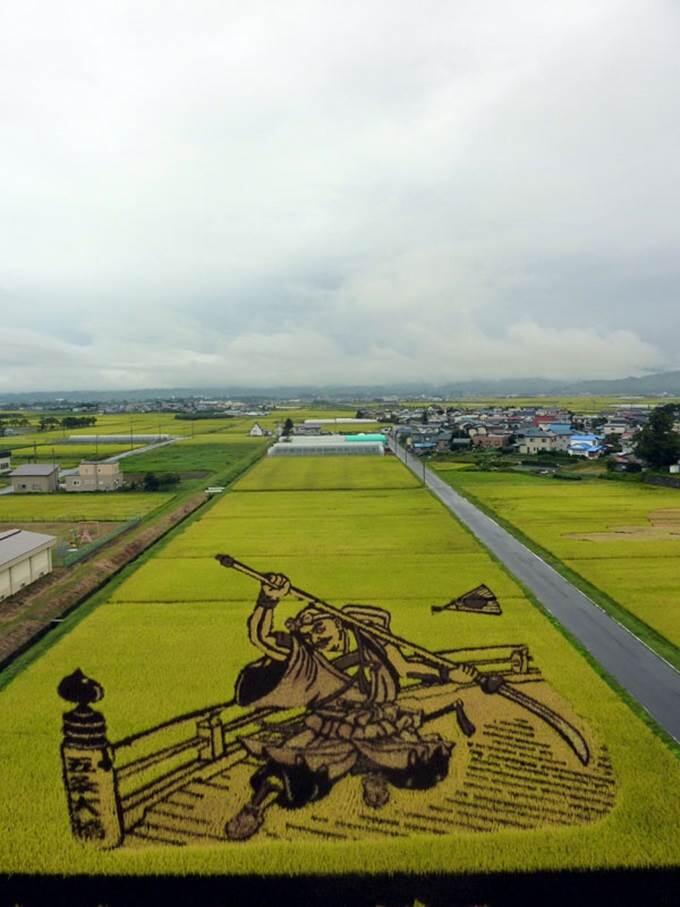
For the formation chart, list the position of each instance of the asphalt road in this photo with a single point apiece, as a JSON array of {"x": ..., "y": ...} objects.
[{"x": 649, "y": 679}]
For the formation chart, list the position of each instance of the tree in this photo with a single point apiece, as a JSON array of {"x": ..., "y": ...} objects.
[
  {"x": 657, "y": 443},
  {"x": 287, "y": 427},
  {"x": 613, "y": 443},
  {"x": 151, "y": 482},
  {"x": 166, "y": 479}
]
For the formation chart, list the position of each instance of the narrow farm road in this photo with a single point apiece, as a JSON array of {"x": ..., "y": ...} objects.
[
  {"x": 121, "y": 456},
  {"x": 649, "y": 679}
]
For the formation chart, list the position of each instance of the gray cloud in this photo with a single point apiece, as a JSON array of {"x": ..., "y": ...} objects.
[{"x": 290, "y": 193}]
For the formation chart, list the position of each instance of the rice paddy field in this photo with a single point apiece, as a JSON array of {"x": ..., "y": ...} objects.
[
  {"x": 622, "y": 537},
  {"x": 210, "y": 454},
  {"x": 67, "y": 455},
  {"x": 170, "y": 637},
  {"x": 114, "y": 506},
  {"x": 331, "y": 473},
  {"x": 579, "y": 404}
]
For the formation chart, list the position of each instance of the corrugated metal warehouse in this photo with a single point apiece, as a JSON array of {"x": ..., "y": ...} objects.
[{"x": 24, "y": 558}]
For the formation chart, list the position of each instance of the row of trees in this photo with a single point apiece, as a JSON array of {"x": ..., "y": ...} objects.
[
  {"x": 48, "y": 423},
  {"x": 10, "y": 421}
]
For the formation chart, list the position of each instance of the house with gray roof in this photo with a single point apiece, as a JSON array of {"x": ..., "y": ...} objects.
[{"x": 35, "y": 478}]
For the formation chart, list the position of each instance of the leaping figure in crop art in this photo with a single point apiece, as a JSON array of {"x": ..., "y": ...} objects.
[{"x": 353, "y": 678}]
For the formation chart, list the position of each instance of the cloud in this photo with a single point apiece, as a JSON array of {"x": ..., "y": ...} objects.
[{"x": 381, "y": 190}]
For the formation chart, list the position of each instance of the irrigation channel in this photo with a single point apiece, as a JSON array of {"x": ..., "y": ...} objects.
[{"x": 650, "y": 680}]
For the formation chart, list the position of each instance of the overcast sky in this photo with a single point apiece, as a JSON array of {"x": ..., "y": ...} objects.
[{"x": 205, "y": 193}]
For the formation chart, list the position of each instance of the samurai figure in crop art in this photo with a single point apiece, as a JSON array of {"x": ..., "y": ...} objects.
[
  {"x": 349, "y": 681},
  {"x": 340, "y": 730}
]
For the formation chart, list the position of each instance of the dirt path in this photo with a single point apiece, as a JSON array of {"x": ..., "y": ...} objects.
[{"x": 27, "y": 616}]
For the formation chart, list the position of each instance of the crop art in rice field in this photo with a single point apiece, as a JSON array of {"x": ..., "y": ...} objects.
[{"x": 341, "y": 730}]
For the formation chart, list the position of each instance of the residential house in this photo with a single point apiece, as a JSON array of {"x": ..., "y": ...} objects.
[
  {"x": 492, "y": 441},
  {"x": 585, "y": 445},
  {"x": 5, "y": 460},
  {"x": 94, "y": 476},
  {"x": 538, "y": 440}
]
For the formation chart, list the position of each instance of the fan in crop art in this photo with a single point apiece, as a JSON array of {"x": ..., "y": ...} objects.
[{"x": 341, "y": 730}]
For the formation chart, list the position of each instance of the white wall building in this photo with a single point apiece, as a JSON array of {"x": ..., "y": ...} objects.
[
  {"x": 94, "y": 476},
  {"x": 24, "y": 558},
  {"x": 325, "y": 446}
]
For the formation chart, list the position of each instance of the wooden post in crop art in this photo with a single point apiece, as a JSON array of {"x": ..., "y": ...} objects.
[{"x": 87, "y": 759}]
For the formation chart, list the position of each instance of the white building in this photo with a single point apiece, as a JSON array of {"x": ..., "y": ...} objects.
[
  {"x": 257, "y": 431},
  {"x": 24, "y": 558},
  {"x": 326, "y": 446}
]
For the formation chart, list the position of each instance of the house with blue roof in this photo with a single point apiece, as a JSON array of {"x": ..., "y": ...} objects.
[{"x": 585, "y": 445}]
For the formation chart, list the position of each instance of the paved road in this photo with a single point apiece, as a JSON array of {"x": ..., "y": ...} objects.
[{"x": 649, "y": 679}]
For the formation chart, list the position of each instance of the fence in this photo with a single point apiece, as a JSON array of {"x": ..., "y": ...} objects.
[
  {"x": 66, "y": 558},
  {"x": 110, "y": 786}
]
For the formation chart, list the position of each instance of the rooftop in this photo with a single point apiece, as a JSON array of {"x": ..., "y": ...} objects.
[
  {"x": 35, "y": 469},
  {"x": 322, "y": 440},
  {"x": 14, "y": 543}
]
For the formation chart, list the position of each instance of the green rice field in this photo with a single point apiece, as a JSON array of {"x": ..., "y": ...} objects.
[
  {"x": 331, "y": 473},
  {"x": 170, "y": 636},
  {"x": 73, "y": 507},
  {"x": 67, "y": 455},
  {"x": 622, "y": 537},
  {"x": 208, "y": 455}
]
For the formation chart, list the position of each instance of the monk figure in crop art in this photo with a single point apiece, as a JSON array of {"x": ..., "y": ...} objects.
[{"x": 348, "y": 681}]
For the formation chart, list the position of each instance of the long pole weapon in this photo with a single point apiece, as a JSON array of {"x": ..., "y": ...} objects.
[{"x": 489, "y": 683}]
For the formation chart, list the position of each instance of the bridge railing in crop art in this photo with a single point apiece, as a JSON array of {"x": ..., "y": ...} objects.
[{"x": 111, "y": 786}]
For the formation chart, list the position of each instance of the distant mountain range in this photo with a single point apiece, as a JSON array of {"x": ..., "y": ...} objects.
[{"x": 657, "y": 384}]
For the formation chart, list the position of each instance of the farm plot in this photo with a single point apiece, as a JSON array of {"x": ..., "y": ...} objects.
[
  {"x": 623, "y": 538},
  {"x": 67, "y": 455},
  {"x": 173, "y": 637},
  {"x": 372, "y": 534},
  {"x": 114, "y": 506},
  {"x": 308, "y": 473},
  {"x": 184, "y": 456},
  {"x": 77, "y": 532}
]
